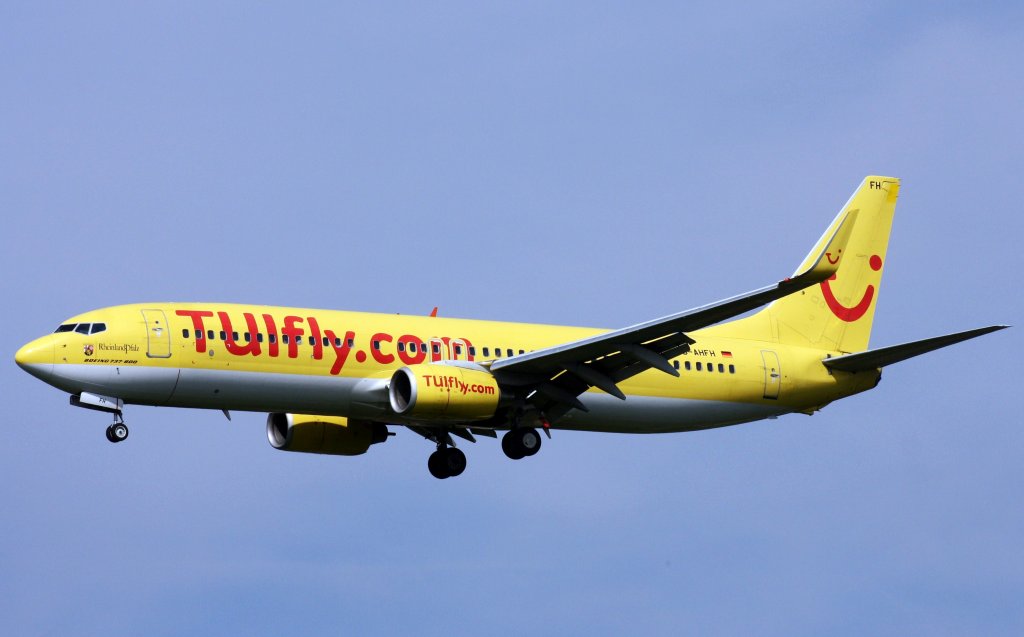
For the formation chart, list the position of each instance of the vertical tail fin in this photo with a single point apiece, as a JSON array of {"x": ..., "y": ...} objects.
[{"x": 837, "y": 313}]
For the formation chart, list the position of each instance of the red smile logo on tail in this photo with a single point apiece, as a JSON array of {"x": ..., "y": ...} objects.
[{"x": 850, "y": 314}]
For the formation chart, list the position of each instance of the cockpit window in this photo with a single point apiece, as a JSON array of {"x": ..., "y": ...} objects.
[{"x": 82, "y": 328}]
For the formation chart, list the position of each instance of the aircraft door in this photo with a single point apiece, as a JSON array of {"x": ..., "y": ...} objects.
[
  {"x": 158, "y": 334},
  {"x": 772, "y": 374}
]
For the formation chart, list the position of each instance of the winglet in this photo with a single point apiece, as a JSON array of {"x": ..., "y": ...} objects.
[{"x": 828, "y": 253}]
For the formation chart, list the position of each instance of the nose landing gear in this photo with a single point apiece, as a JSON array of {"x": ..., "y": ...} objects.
[{"x": 118, "y": 431}]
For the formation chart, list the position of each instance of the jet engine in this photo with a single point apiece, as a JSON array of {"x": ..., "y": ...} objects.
[
  {"x": 443, "y": 392},
  {"x": 323, "y": 434}
]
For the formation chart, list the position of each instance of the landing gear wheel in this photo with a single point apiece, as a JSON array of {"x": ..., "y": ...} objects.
[
  {"x": 446, "y": 462},
  {"x": 118, "y": 432},
  {"x": 455, "y": 461},
  {"x": 529, "y": 441},
  {"x": 511, "y": 447},
  {"x": 519, "y": 443},
  {"x": 110, "y": 434}
]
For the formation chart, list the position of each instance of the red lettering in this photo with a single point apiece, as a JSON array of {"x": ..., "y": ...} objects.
[
  {"x": 239, "y": 349},
  {"x": 380, "y": 357},
  {"x": 410, "y": 349},
  {"x": 293, "y": 332},
  {"x": 318, "y": 343},
  {"x": 271, "y": 335},
  {"x": 197, "y": 324},
  {"x": 340, "y": 351}
]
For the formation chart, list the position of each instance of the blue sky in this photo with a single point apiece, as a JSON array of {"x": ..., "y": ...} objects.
[{"x": 586, "y": 163}]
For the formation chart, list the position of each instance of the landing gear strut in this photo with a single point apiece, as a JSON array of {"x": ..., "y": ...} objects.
[
  {"x": 118, "y": 431},
  {"x": 521, "y": 442},
  {"x": 446, "y": 462}
]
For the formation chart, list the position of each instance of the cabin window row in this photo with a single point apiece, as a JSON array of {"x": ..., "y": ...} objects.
[
  {"x": 402, "y": 346},
  {"x": 699, "y": 366},
  {"x": 272, "y": 338}
]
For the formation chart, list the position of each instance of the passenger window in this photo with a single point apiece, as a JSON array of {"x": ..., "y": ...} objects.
[
  {"x": 423, "y": 348},
  {"x": 472, "y": 351},
  {"x": 199, "y": 335},
  {"x": 272, "y": 338},
  {"x": 284, "y": 339},
  {"x": 721, "y": 368},
  {"x": 711, "y": 367},
  {"x": 458, "y": 350},
  {"x": 732, "y": 369},
  {"x": 312, "y": 341},
  {"x": 327, "y": 342},
  {"x": 675, "y": 364},
  {"x": 337, "y": 342},
  {"x": 234, "y": 336},
  {"x": 98, "y": 327},
  {"x": 401, "y": 346},
  {"x": 184, "y": 332},
  {"x": 209, "y": 335},
  {"x": 698, "y": 366},
  {"x": 687, "y": 365},
  {"x": 487, "y": 352},
  {"x": 509, "y": 352},
  {"x": 83, "y": 328},
  {"x": 352, "y": 343},
  {"x": 376, "y": 345},
  {"x": 436, "y": 348},
  {"x": 259, "y": 337},
  {"x": 522, "y": 351},
  {"x": 248, "y": 337}
]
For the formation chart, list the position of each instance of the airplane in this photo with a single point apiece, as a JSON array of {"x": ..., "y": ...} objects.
[{"x": 335, "y": 382}]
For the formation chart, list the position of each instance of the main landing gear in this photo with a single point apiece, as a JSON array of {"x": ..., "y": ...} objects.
[
  {"x": 446, "y": 462},
  {"x": 520, "y": 443},
  {"x": 118, "y": 431}
]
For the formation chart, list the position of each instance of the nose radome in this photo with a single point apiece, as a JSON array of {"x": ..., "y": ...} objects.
[{"x": 36, "y": 357}]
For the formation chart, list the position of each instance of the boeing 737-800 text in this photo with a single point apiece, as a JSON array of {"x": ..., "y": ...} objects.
[{"x": 334, "y": 382}]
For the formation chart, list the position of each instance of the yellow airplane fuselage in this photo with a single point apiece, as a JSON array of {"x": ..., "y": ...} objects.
[{"x": 273, "y": 359}]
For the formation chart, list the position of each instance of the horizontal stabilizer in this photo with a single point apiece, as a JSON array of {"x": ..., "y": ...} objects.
[{"x": 873, "y": 359}]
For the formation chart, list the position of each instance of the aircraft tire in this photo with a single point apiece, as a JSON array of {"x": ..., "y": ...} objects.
[
  {"x": 110, "y": 434},
  {"x": 529, "y": 441},
  {"x": 510, "y": 445},
  {"x": 437, "y": 466},
  {"x": 119, "y": 432},
  {"x": 454, "y": 461}
]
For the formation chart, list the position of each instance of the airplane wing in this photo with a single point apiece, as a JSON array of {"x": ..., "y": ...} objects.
[
  {"x": 876, "y": 358},
  {"x": 554, "y": 377}
]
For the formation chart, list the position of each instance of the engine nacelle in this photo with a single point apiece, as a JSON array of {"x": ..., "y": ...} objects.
[
  {"x": 323, "y": 434},
  {"x": 443, "y": 392}
]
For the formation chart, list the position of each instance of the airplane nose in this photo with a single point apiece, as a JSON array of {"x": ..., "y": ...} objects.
[{"x": 36, "y": 358}]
